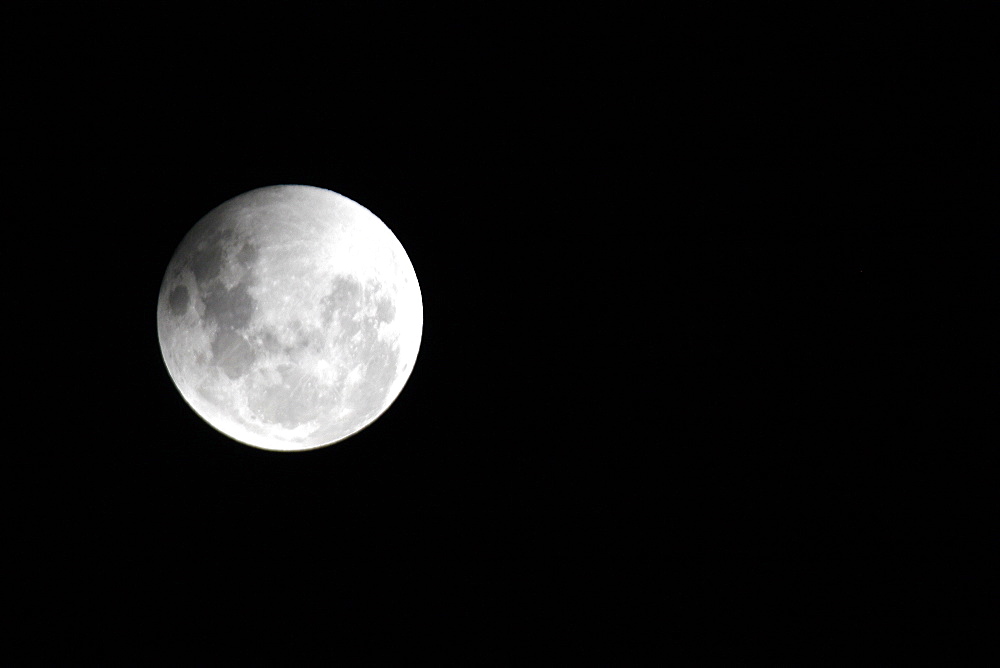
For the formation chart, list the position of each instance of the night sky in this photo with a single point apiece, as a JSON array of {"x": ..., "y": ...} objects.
[{"x": 702, "y": 303}]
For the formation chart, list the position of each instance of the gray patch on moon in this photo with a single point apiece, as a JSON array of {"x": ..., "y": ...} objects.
[
  {"x": 247, "y": 255},
  {"x": 232, "y": 307},
  {"x": 206, "y": 263},
  {"x": 209, "y": 257},
  {"x": 344, "y": 297},
  {"x": 385, "y": 310},
  {"x": 178, "y": 300},
  {"x": 232, "y": 353},
  {"x": 348, "y": 328},
  {"x": 270, "y": 342},
  {"x": 347, "y": 298},
  {"x": 298, "y": 340}
]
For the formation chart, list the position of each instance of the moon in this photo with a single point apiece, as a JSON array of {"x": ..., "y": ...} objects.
[{"x": 289, "y": 317}]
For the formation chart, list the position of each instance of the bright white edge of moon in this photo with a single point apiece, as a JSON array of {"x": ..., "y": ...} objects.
[{"x": 289, "y": 317}]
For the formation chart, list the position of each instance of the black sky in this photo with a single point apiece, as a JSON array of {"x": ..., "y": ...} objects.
[{"x": 691, "y": 357}]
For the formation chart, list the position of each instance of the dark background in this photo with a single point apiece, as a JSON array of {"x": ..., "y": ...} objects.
[{"x": 701, "y": 356}]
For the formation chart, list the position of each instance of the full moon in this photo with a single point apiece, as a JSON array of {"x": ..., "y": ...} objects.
[{"x": 289, "y": 317}]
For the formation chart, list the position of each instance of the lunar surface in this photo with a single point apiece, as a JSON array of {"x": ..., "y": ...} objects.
[{"x": 290, "y": 317}]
